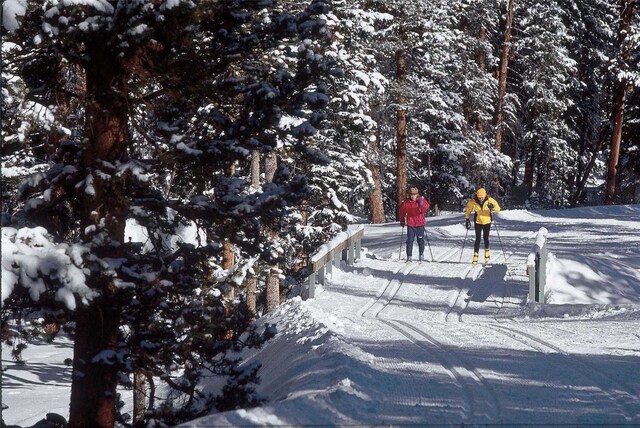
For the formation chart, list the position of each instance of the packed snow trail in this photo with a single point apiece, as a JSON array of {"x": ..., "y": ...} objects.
[{"x": 432, "y": 313}]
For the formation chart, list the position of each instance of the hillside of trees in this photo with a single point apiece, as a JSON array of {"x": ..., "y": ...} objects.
[{"x": 267, "y": 127}]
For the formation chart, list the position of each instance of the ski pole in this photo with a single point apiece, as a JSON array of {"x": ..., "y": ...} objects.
[
  {"x": 401, "y": 239},
  {"x": 463, "y": 244},
  {"x": 426, "y": 235},
  {"x": 499, "y": 240}
]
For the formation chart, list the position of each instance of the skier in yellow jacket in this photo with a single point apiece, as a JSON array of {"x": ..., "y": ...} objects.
[{"x": 483, "y": 207}]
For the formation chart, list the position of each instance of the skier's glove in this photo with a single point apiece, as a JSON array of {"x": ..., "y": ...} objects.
[
  {"x": 420, "y": 202},
  {"x": 467, "y": 223},
  {"x": 490, "y": 205}
]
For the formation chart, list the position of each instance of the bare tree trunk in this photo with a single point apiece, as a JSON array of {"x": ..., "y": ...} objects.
[
  {"x": 401, "y": 135},
  {"x": 255, "y": 169},
  {"x": 251, "y": 283},
  {"x": 618, "y": 105},
  {"x": 228, "y": 260},
  {"x": 93, "y": 384},
  {"x": 270, "y": 166},
  {"x": 304, "y": 212},
  {"x": 272, "y": 286},
  {"x": 139, "y": 396},
  {"x": 375, "y": 198},
  {"x": 482, "y": 55},
  {"x": 272, "y": 290},
  {"x": 616, "y": 138},
  {"x": 502, "y": 78}
]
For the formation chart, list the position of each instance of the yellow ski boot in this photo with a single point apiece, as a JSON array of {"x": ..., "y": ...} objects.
[
  {"x": 486, "y": 256},
  {"x": 475, "y": 259}
]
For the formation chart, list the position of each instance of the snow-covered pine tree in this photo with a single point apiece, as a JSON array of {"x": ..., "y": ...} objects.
[
  {"x": 175, "y": 98},
  {"x": 543, "y": 76},
  {"x": 346, "y": 183},
  {"x": 592, "y": 25},
  {"x": 450, "y": 90}
]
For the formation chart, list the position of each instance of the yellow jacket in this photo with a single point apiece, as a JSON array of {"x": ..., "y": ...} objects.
[{"x": 481, "y": 210}]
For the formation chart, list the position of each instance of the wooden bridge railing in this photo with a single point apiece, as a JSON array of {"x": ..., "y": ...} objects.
[{"x": 344, "y": 246}]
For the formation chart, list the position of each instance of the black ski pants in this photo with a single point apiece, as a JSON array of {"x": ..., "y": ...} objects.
[{"x": 483, "y": 229}]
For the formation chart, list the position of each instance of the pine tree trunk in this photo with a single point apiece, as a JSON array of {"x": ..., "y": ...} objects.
[
  {"x": 139, "y": 396},
  {"x": 401, "y": 135},
  {"x": 618, "y": 105},
  {"x": 270, "y": 166},
  {"x": 228, "y": 260},
  {"x": 94, "y": 380},
  {"x": 272, "y": 290},
  {"x": 272, "y": 286},
  {"x": 502, "y": 77},
  {"x": 376, "y": 204},
  {"x": 93, "y": 383},
  {"x": 251, "y": 283},
  {"x": 616, "y": 138},
  {"x": 255, "y": 169},
  {"x": 482, "y": 55}
]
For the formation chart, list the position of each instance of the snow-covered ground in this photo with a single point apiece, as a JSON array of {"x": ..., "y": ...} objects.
[{"x": 389, "y": 343}]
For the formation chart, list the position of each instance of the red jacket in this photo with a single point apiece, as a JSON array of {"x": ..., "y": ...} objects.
[{"x": 412, "y": 213}]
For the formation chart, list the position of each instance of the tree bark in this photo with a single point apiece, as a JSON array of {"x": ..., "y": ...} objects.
[
  {"x": 618, "y": 105},
  {"x": 251, "y": 283},
  {"x": 272, "y": 290},
  {"x": 93, "y": 383},
  {"x": 255, "y": 169},
  {"x": 375, "y": 197},
  {"x": 94, "y": 380},
  {"x": 228, "y": 260},
  {"x": 139, "y": 396},
  {"x": 502, "y": 77},
  {"x": 270, "y": 166},
  {"x": 616, "y": 138},
  {"x": 401, "y": 135},
  {"x": 482, "y": 55},
  {"x": 272, "y": 286}
]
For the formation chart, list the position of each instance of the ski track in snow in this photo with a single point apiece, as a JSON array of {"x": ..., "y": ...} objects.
[
  {"x": 475, "y": 272},
  {"x": 626, "y": 401},
  {"x": 473, "y": 390},
  {"x": 477, "y": 392},
  {"x": 480, "y": 400},
  {"x": 386, "y": 293}
]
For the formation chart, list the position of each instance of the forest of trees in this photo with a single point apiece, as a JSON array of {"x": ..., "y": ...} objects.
[{"x": 267, "y": 127}]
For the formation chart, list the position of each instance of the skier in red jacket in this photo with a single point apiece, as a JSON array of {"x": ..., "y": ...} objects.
[{"x": 412, "y": 212}]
